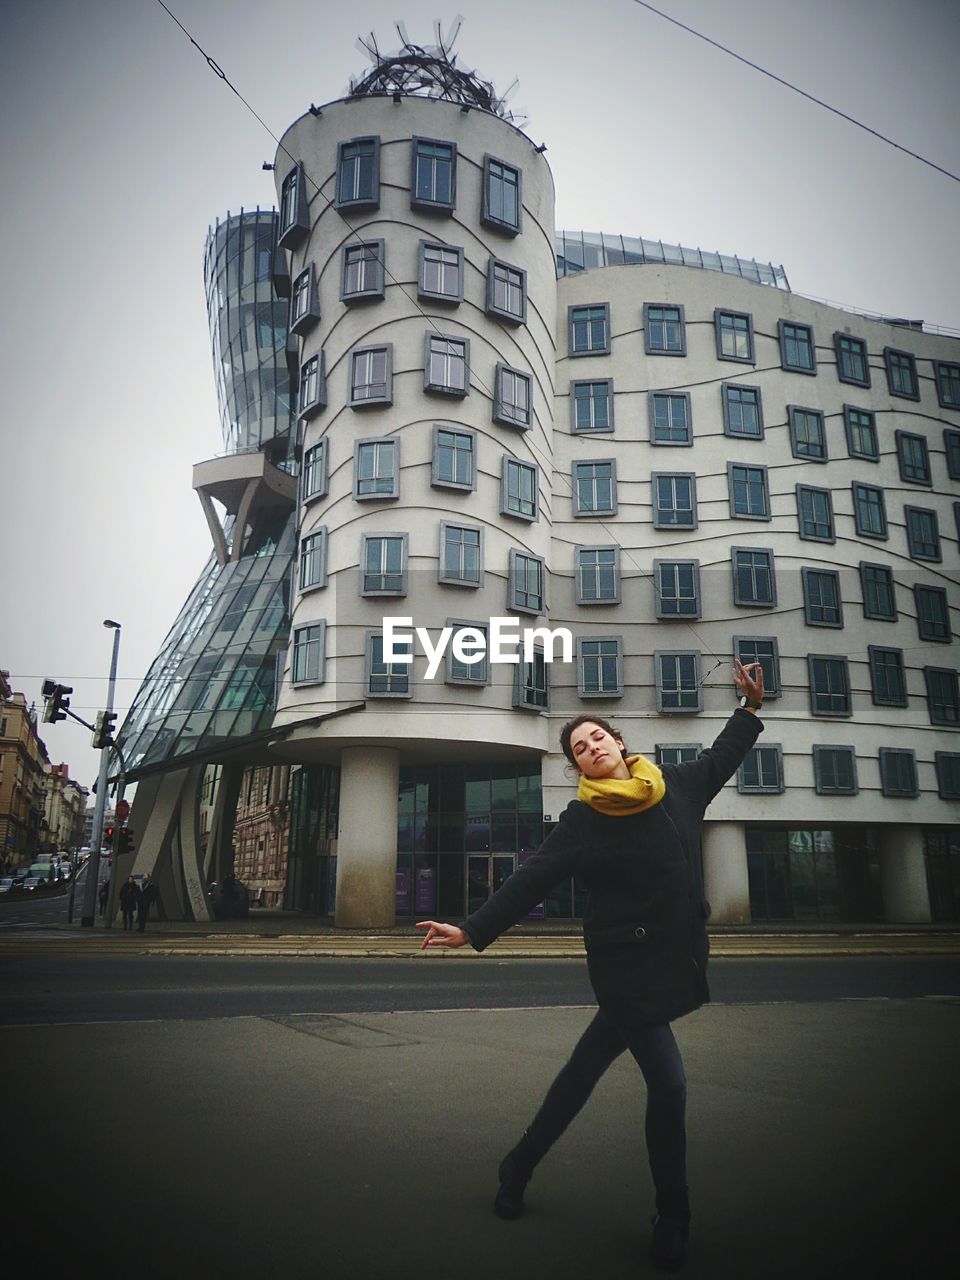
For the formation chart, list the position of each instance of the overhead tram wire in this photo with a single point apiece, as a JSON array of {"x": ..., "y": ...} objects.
[{"x": 796, "y": 89}]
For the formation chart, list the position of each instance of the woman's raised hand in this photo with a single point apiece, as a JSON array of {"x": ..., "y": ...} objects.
[{"x": 441, "y": 935}]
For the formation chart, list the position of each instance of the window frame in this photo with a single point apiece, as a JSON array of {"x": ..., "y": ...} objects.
[
  {"x": 807, "y": 574},
  {"x": 358, "y": 445},
  {"x": 923, "y": 628},
  {"x": 782, "y": 339},
  {"x": 378, "y": 535},
  {"x": 590, "y": 382},
  {"x": 718, "y": 314},
  {"x": 513, "y": 603},
  {"x": 820, "y": 787},
  {"x": 888, "y": 753},
  {"x": 875, "y": 653},
  {"x": 685, "y": 398},
  {"x": 661, "y": 747},
  {"x": 658, "y": 521},
  {"x": 858, "y": 490},
  {"x": 500, "y": 412},
  {"x": 580, "y": 598},
  {"x": 293, "y": 230},
  {"x": 366, "y": 402},
  {"x": 867, "y": 612},
  {"x": 944, "y": 380},
  {"x": 308, "y": 317},
  {"x": 829, "y": 538},
  {"x": 436, "y": 481},
  {"x": 771, "y": 691},
  {"x": 444, "y": 389},
  {"x": 575, "y": 491},
  {"x": 307, "y": 409},
  {"x": 467, "y": 681},
  {"x": 449, "y": 298},
  {"x": 889, "y": 364},
  {"x": 603, "y": 350},
  {"x": 940, "y": 759},
  {"x": 838, "y": 339},
  {"x": 524, "y": 691},
  {"x": 901, "y": 437},
  {"x": 320, "y": 532},
  {"x": 936, "y": 556},
  {"x": 658, "y": 656},
  {"x": 648, "y": 347},
  {"x": 731, "y": 491},
  {"x": 760, "y": 789},
  {"x": 377, "y": 267},
  {"x": 489, "y": 219},
  {"x": 728, "y": 429},
  {"x": 505, "y": 464},
  {"x": 659, "y": 564},
  {"x": 320, "y": 490},
  {"x": 455, "y": 580},
  {"x": 951, "y": 451},
  {"x": 847, "y": 693},
  {"x": 427, "y": 204},
  {"x": 793, "y": 412},
  {"x": 407, "y": 668},
  {"x": 510, "y": 317},
  {"x": 946, "y": 722},
  {"x": 848, "y": 429},
  {"x": 617, "y": 690},
  {"x": 362, "y": 201},
  {"x": 321, "y": 642},
  {"x": 737, "y": 596}
]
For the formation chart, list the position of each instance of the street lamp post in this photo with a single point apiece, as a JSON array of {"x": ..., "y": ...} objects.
[{"x": 96, "y": 838}]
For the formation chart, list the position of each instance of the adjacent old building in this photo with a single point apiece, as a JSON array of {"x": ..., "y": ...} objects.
[{"x": 23, "y": 758}]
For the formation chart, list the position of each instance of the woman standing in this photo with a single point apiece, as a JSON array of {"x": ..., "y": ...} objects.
[{"x": 632, "y": 838}]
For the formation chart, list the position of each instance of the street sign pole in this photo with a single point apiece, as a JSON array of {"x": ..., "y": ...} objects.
[{"x": 96, "y": 838}]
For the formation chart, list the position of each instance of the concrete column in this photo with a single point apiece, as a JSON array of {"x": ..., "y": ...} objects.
[
  {"x": 367, "y": 838},
  {"x": 726, "y": 884},
  {"x": 903, "y": 876}
]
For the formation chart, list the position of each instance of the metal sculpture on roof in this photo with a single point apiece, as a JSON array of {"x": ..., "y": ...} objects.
[{"x": 429, "y": 72}]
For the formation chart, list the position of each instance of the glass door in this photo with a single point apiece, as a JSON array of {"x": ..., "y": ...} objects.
[{"x": 486, "y": 872}]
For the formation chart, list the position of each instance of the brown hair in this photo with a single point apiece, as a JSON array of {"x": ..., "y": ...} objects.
[{"x": 575, "y": 723}]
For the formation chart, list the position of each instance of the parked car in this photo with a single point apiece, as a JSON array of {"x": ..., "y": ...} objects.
[{"x": 6, "y": 884}]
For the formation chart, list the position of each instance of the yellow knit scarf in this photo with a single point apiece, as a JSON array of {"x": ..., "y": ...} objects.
[{"x": 618, "y": 797}]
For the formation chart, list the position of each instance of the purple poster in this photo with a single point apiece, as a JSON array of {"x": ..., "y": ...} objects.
[
  {"x": 403, "y": 891},
  {"x": 426, "y": 891}
]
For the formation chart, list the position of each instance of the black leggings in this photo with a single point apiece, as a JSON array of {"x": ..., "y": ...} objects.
[{"x": 658, "y": 1057}]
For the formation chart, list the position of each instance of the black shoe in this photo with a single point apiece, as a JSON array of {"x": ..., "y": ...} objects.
[
  {"x": 670, "y": 1235},
  {"x": 516, "y": 1170}
]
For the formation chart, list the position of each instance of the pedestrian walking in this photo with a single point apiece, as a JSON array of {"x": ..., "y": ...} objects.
[
  {"x": 103, "y": 894},
  {"x": 129, "y": 901},
  {"x": 632, "y": 837},
  {"x": 148, "y": 895}
]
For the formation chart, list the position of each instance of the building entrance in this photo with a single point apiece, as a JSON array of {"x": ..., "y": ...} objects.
[{"x": 486, "y": 872}]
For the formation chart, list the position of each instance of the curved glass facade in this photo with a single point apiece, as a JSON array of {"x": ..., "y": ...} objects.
[
  {"x": 248, "y": 334},
  {"x": 582, "y": 250},
  {"x": 213, "y": 683}
]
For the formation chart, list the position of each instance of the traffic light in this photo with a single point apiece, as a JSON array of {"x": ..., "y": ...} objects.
[
  {"x": 124, "y": 841},
  {"x": 103, "y": 729},
  {"x": 108, "y": 837},
  {"x": 57, "y": 699}
]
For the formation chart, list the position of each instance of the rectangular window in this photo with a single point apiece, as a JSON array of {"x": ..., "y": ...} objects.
[
  {"x": 852, "y": 363},
  {"x": 762, "y": 771},
  {"x": 888, "y": 681},
  {"x": 313, "y": 476},
  {"x": 526, "y": 583},
  {"x": 589, "y": 330},
  {"x": 595, "y": 488},
  {"x": 829, "y": 685},
  {"x": 313, "y": 572},
  {"x": 371, "y": 376},
  {"x": 308, "y": 645},
  {"x": 598, "y": 575},
  {"x": 362, "y": 270},
  {"x": 512, "y": 402},
  {"x": 742, "y": 411},
  {"x": 948, "y": 774},
  {"x": 869, "y": 511},
  {"x": 748, "y": 492},
  {"x": 670, "y": 418},
  {"x": 678, "y": 681},
  {"x": 797, "y": 347},
  {"x": 860, "y": 428},
  {"x": 518, "y": 489},
  {"x": 835, "y": 771},
  {"x": 676, "y": 588},
  {"x": 901, "y": 373},
  {"x": 762, "y": 649},
  {"x": 754, "y": 582},
  {"x": 943, "y": 695},
  {"x": 358, "y": 174},
  {"x": 674, "y": 500},
  {"x": 506, "y": 292},
  {"x": 531, "y": 690},
  {"x": 876, "y": 586},
  {"x": 454, "y": 458},
  {"x": 676, "y": 752},
  {"x": 600, "y": 663},
  {"x": 446, "y": 365},
  {"x": 808, "y": 439},
  {"x": 592, "y": 405},
  {"x": 815, "y": 514},
  {"x": 376, "y": 469},
  {"x": 947, "y": 375},
  {"x": 664, "y": 331},
  {"x": 898, "y": 772},
  {"x": 313, "y": 390},
  {"x": 294, "y": 211},
  {"x": 474, "y": 642},
  {"x": 913, "y": 458},
  {"x": 951, "y": 447},
  {"x": 821, "y": 597},
  {"x": 387, "y": 679},
  {"x": 384, "y": 560},
  {"x": 440, "y": 274},
  {"x": 461, "y": 555},
  {"x": 501, "y": 204},
  {"x": 433, "y": 183},
  {"x": 933, "y": 614},
  {"x": 923, "y": 533},
  {"x": 304, "y": 301},
  {"x": 734, "y": 334}
]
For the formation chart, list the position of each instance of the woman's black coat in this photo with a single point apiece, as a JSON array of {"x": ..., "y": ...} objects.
[{"x": 645, "y": 927}]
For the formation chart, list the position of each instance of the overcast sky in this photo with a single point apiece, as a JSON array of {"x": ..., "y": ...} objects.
[{"x": 120, "y": 147}]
